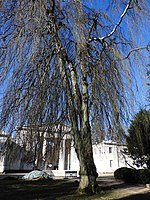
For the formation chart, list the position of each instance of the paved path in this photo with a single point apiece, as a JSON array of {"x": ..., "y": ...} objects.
[
  {"x": 132, "y": 192},
  {"x": 13, "y": 175}
]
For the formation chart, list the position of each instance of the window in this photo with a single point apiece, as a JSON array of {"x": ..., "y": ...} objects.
[
  {"x": 111, "y": 161},
  {"x": 110, "y": 149}
]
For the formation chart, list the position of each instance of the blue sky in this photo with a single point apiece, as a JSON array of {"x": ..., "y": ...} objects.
[{"x": 141, "y": 92}]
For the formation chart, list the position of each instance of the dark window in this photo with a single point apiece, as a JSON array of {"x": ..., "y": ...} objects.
[
  {"x": 111, "y": 161},
  {"x": 110, "y": 149}
]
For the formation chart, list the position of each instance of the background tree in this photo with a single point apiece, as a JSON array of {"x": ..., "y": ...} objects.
[
  {"x": 148, "y": 77},
  {"x": 138, "y": 140},
  {"x": 65, "y": 62}
]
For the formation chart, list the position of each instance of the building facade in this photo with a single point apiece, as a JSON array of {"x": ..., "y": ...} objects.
[
  {"x": 108, "y": 156},
  {"x": 55, "y": 152},
  {"x": 3, "y": 138},
  {"x": 13, "y": 157}
]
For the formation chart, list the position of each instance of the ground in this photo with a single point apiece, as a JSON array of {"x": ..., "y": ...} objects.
[{"x": 110, "y": 189}]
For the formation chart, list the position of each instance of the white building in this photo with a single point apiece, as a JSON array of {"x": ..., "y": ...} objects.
[
  {"x": 3, "y": 138},
  {"x": 108, "y": 156},
  {"x": 13, "y": 157},
  {"x": 56, "y": 153}
]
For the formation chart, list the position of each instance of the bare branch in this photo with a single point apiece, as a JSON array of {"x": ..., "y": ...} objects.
[
  {"x": 136, "y": 49},
  {"x": 120, "y": 20},
  {"x": 101, "y": 39}
]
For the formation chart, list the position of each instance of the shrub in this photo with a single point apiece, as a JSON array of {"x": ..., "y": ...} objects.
[
  {"x": 144, "y": 175},
  {"x": 119, "y": 173},
  {"x": 128, "y": 175}
]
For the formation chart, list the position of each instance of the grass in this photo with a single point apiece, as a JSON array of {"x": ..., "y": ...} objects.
[
  {"x": 41, "y": 190},
  {"x": 52, "y": 190}
]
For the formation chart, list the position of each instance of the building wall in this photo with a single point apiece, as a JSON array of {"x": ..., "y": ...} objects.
[
  {"x": 1, "y": 163},
  {"x": 108, "y": 157},
  {"x": 17, "y": 158},
  {"x": 13, "y": 157},
  {"x": 3, "y": 138},
  {"x": 74, "y": 160},
  {"x": 45, "y": 143}
]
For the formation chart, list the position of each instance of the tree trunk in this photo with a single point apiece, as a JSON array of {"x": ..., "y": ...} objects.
[
  {"x": 84, "y": 152},
  {"x": 79, "y": 113}
]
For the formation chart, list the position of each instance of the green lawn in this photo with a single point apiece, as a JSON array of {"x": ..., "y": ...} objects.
[{"x": 51, "y": 190}]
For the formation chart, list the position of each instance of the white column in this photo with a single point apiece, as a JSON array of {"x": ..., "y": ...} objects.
[
  {"x": 74, "y": 162},
  {"x": 62, "y": 155},
  {"x": 44, "y": 151}
]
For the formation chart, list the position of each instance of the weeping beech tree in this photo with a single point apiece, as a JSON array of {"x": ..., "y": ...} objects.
[{"x": 66, "y": 62}]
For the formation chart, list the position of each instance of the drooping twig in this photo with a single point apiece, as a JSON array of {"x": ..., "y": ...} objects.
[{"x": 136, "y": 49}]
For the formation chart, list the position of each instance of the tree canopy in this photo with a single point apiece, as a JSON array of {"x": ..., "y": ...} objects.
[
  {"x": 29, "y": 59},
  {"x": 68, "y": 62},
  {"x": 138, "y": 140}
]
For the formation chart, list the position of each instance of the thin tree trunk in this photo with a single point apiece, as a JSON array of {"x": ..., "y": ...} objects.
[{"x": 88, "y": 173}]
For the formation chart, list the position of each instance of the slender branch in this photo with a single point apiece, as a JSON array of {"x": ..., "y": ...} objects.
[
  {"x": 126, "y": 160},
  {"x": 94, "y": 24},
  {"x": 136, "y": 49}
]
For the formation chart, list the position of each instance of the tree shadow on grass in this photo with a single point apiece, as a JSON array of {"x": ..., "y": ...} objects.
[
  {"x": 109, "y": 185},
  {"x": 56, "y": 189},
  {"x": 145, "y": 196},
  {"x": 41, "y": 190}
]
